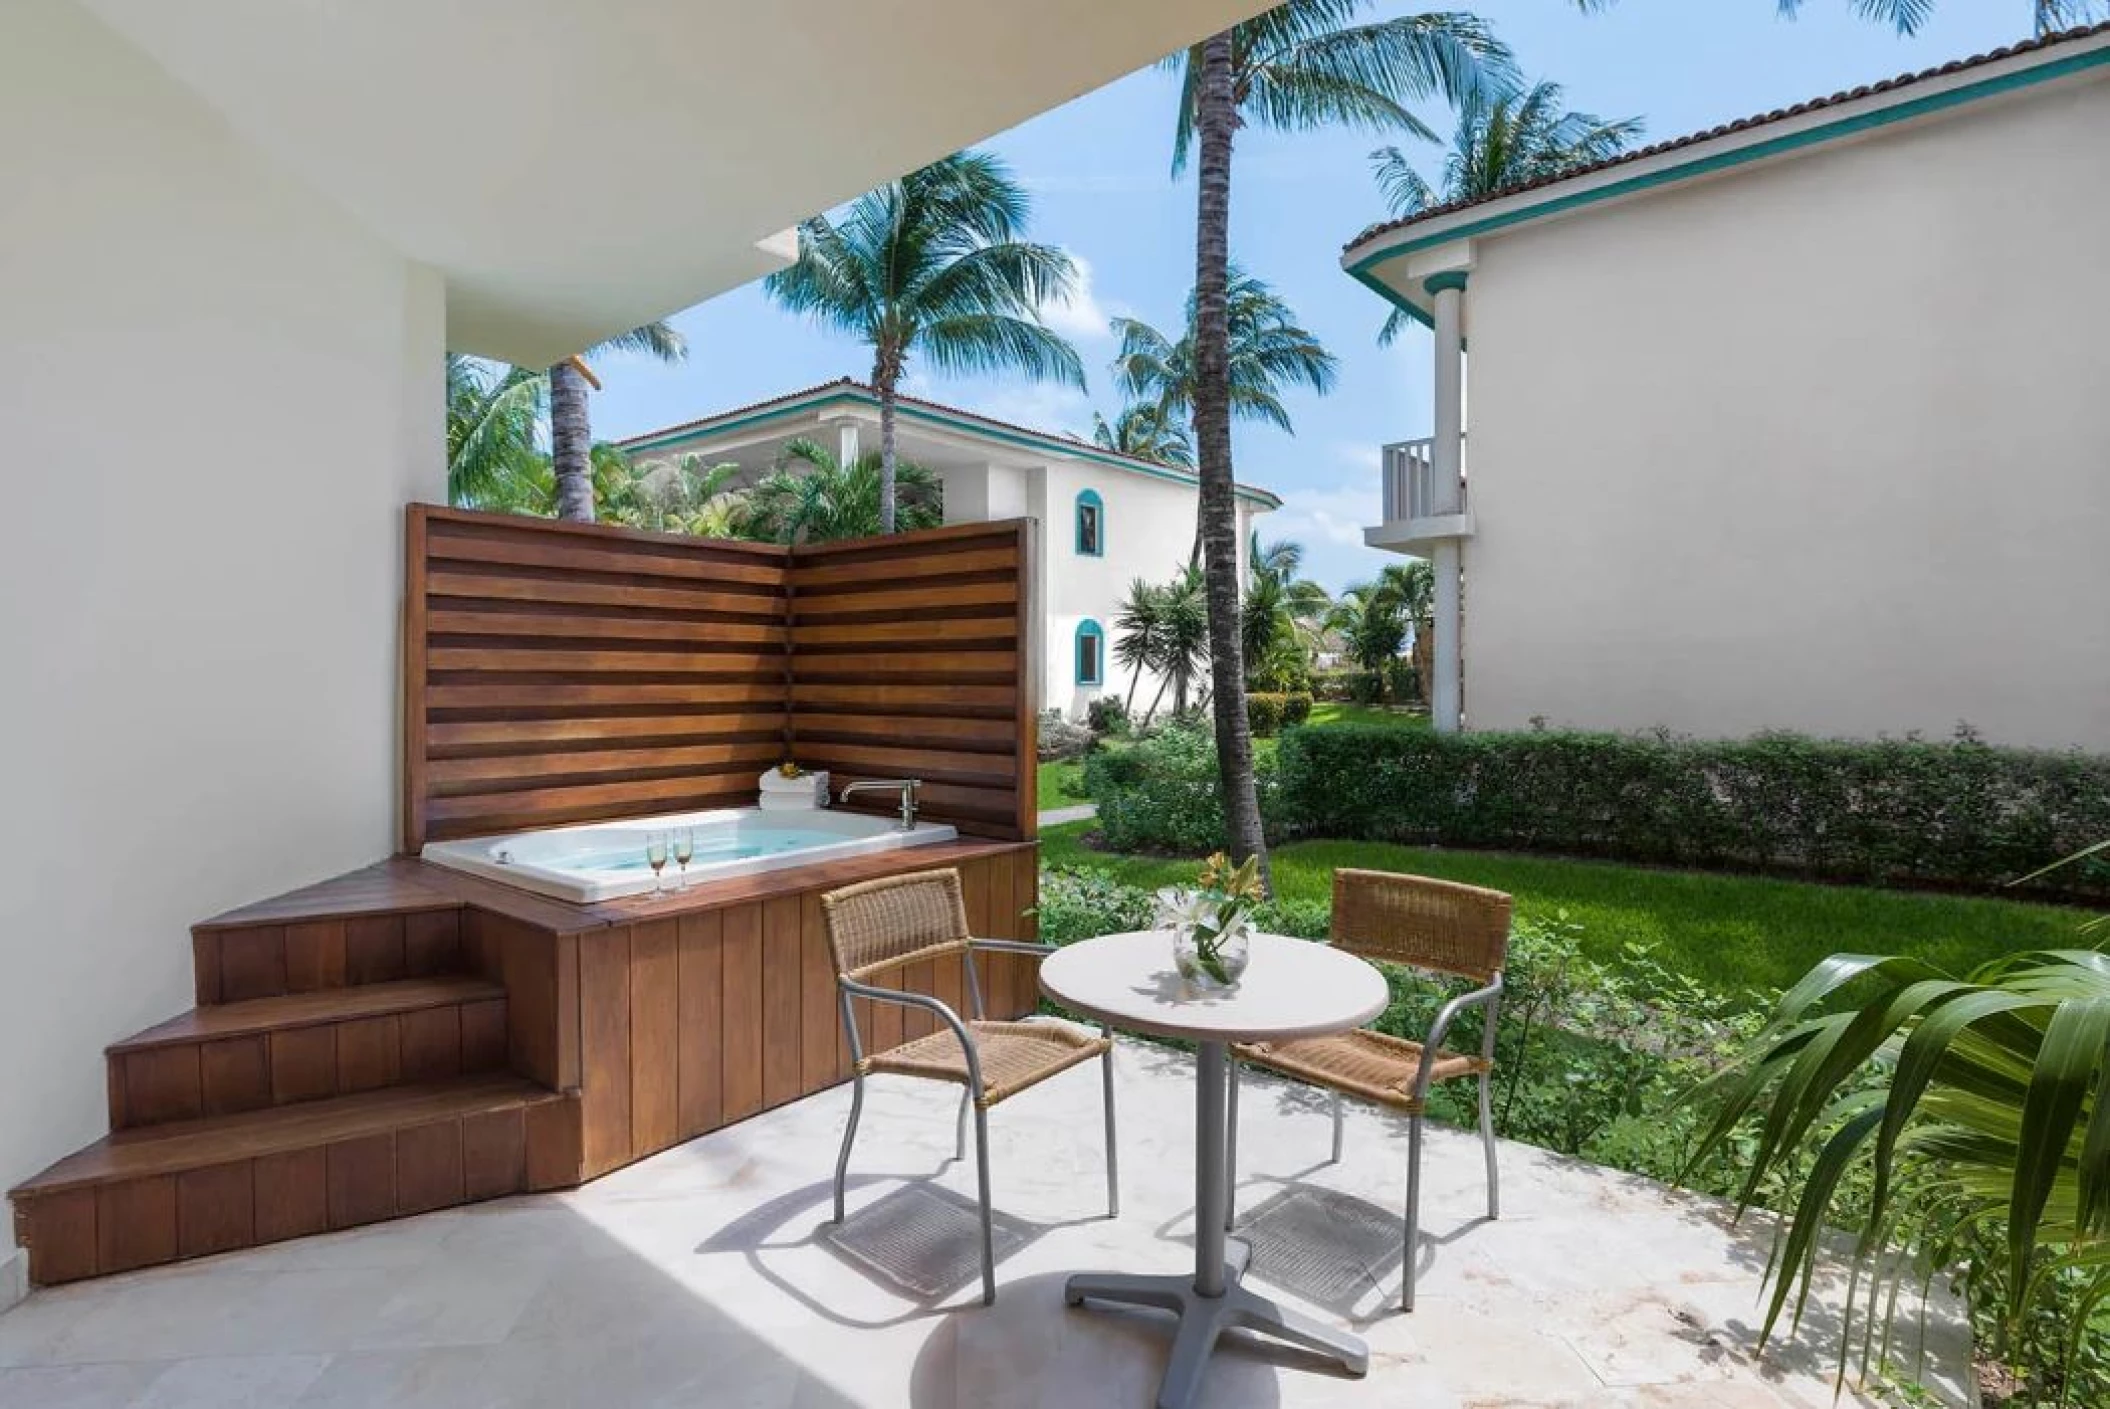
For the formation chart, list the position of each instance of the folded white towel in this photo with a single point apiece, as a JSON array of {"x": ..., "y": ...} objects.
[
  {"x": 806, "y": 785},
  {"x": 789, "y": 802}
]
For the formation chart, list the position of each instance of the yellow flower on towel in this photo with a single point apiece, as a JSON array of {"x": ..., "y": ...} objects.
[{"x": 788, "y": 769}]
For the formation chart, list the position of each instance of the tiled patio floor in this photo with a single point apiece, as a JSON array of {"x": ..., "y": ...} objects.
[{"x": 707, "y": 1276}]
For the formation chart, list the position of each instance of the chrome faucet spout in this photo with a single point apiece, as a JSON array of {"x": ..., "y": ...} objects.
[{"x": 906, "y": 786}]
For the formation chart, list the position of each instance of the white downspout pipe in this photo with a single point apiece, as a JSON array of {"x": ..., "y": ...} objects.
[{"x": 1446, "y": 459}]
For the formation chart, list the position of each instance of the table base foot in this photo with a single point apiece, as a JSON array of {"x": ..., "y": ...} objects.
[{"x": 1204, "y": 1319}]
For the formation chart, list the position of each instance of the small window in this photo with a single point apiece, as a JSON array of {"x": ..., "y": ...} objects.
[
  {"x": 1091, "y": 525},
  {"x": 1091, "y": 652}
]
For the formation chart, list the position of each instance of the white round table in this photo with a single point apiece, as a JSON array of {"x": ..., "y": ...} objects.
[{"x": 1291, "y": 988}]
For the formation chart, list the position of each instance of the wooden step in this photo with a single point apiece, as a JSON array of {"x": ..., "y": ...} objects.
[
  {"x": 263, "y": 1052},
  {"x": 189, "y": 1188},
  {"x": 332, "y": 946}
]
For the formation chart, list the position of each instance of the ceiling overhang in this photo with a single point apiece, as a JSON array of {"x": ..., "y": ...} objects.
[{"x": 575, "y": 170}]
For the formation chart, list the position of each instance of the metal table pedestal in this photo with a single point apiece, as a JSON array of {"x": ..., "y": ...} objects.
[{"x": 1213, "y": 1300}]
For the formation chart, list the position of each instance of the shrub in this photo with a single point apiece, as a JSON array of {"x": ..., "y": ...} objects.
[
  {"x": 1956, "y": 813},
  {"x": 1264, "y": 712},
  {"x": 1107, "y": 714},
  {"x": 1061, "y": 738},
  {"x": 1402, "y": 681},
  {"x": 1296, "y": 707},
  {"x": 1335, "y": 685},
  {"x": 1160, "y": 794},
  {"x": 1366, "y": 688}
]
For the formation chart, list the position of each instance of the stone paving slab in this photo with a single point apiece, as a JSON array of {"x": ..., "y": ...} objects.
[{"x": 709, "y": 1276}]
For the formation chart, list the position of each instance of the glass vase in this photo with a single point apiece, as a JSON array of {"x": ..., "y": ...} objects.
[{"x": 1211, "y": 959}]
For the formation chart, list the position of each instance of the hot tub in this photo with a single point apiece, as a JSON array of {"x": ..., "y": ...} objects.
[{"x": 604, "y": 860}]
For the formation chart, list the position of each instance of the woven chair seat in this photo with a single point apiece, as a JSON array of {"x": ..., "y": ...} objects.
[
  {"x": 1374, "y": 1066},
  {"x": 1014, "y": 1055}
]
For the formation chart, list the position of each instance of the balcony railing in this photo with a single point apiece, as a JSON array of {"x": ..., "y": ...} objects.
[{"x": 1410, "y": 482}]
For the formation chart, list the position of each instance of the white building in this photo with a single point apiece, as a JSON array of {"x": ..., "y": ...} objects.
[
  {"x": 238, "y": 213},
  {"x": 1105, "y": 519},
  {"x": 1795, "y": 424}
]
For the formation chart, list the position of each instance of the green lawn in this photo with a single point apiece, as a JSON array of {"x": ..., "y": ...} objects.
[
  {"x": 1732, "y": 933},
  {"x": 1062, "y": 784},
  {"x": 1337, "y": 712}
]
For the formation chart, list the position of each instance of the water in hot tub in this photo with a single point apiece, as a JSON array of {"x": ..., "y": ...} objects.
[{"x": 626, "y": 853}]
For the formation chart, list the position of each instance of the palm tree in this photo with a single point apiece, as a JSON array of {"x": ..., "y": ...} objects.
[
  {"x": 1282, "y": 615},
  {"x": 935, "y": 264},
  {"x": 1139, "y": 634},
  {"x": 1301, "y": 65},
  {"x": 1978, "y": 1107},
  {"x": 1185, "y": 639},
  {"x": 1503, "y": 139},
  {"x": 1372, "y": 623},
  {"x": 1269, "y": 354},
  {"x": 492, "y": 413},
  {"x": 1143, "y": 430},
  {"x": 570, "y": 426},
  {"x": 811, "y": 497},
  {"x": 680, "y": 496}
]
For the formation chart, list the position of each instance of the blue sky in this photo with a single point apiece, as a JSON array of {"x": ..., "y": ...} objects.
[{"x": 1099, "y": 171}]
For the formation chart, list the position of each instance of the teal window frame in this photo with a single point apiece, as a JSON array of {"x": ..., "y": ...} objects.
[
  {"x": 1089, "y": 499},
  {"x": 1089, "y": 630}
]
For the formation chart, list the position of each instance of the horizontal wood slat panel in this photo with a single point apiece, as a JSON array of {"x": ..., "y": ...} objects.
[
  {"x": 679, "y": 661},
  {"x": 978, "y": 735},
  {"x": 911, "y": 659},
  {"x": 929, "y": 634},
  {"x": 561, "y": 673},
  {"x": 532, "y": 767},
  {"x": 873, "y": 601},
  {"x": 977, "y": 701},
  {"x": 546, "y": 626},
  {"x": 942, "y": 667},
  {"x": 531, "y": 735},
  {"x": 514, "y": 545},
  {"x": 824, "y": 577},
  {"x": 510, "y": 810},
  {"x": 564, "y": 589},
  {"x": 528, "y": 696}
]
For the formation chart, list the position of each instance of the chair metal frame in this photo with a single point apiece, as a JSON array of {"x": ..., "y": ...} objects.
[
  {"x": 1489, "y": 997},
  {"x": 972, "y": 1092}
]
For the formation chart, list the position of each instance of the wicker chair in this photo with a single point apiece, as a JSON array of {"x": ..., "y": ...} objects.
[
  {"x": 882, "y": 925},
  {"x": 1452, "y": 929}
]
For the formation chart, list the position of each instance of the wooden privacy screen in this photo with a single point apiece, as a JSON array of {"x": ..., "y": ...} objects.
[
  {"x": 911, "y": 657},
  {"x": 571, "y": 672}
]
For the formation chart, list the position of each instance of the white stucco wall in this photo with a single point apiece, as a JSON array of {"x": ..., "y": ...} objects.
[
  {"x": 1149, "y": 530},
  {"x": 1818, "y": 447},
  {"x": 218, "y": 394}
]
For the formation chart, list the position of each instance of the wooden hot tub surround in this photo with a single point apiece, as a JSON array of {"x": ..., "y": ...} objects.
[{"x": 405, "y": 1037}]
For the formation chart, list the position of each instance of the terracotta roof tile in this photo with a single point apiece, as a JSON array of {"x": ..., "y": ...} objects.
[{"x": 1744, "y": 124}]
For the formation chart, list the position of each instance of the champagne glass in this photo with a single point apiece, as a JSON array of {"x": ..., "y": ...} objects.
[
  {"x": 656, "y": 856},
  {"x": 684, "y": 850}
]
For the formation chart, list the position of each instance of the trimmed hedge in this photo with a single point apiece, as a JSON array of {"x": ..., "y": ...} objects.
[
  {"x": 1264, "y": 712},
  {"x": 1161, "y": 794},
  {"x": 1957, "y": 813}
]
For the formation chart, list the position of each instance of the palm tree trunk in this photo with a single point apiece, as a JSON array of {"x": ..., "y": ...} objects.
[
  {"x": 886, "y": 374},
  {"x": 570, "y": 443},
  {"x": 1215, "y": 117},
  {"x": 1157, "y": 699}
]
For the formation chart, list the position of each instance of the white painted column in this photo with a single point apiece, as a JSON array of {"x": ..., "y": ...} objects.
[{"x": 1446, "y": 456}]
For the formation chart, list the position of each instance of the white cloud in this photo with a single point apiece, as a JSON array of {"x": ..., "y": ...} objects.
[
  {"x": 1041, "y": 406},
  {"x": 1336, "y": 515},
  {"x": 1083, "y": 318},
  {"x": 1367, "y": 458}
]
